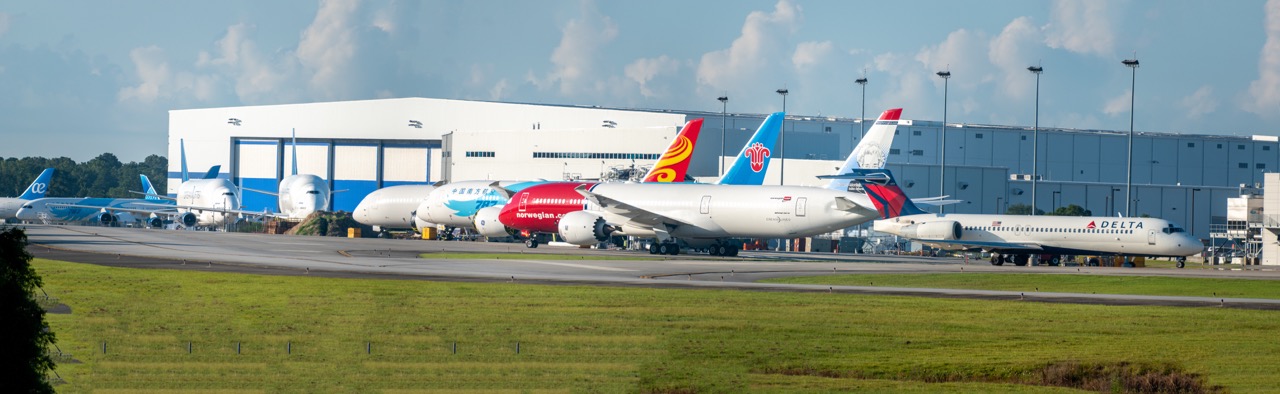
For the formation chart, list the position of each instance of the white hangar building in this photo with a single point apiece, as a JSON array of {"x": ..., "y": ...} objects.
[{"x": 360, "y": 146}]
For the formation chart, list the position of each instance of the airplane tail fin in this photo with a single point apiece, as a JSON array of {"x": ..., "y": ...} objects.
[
  {"x": 752, "y": 162},
  {"x": 213, "y": 172},
  {"x": 674, "y": 163},
  {"x": 40, "y": 187},
  {"x": 884, "y": 192},
  {"x": 295, "y": 151},
  {"x": 149, "y": 189},
  {"x": 872, "y": 150},
  {"x": 182, "y": 152}
]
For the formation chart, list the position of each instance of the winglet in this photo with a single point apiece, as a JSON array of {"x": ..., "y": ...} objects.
[
  {"x": 40, "y": 187},
  {"x": 674, "y": 163},
  {"x": 751, "y": 164},
  {"x": 182, "y": 152},
  {"x": 872, "y": 150},
  {"x": 884, "y": 192}
]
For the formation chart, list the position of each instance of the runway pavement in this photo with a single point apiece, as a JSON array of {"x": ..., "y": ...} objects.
[{"x": 387, "y": 258}]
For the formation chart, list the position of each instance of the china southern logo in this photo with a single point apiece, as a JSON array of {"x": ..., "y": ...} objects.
[
  {"x": 39, "y": 188},
  {"x": 757, "y": 153}
]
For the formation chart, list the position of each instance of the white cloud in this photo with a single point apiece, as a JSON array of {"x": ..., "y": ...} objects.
[
  {"x": 1200, "y": 103},
  {"x": 328, "y": 47},
  {"x": 1119, "y": 104},
  {"x": 753, "y": 54},
  {"x": 1082, "y": 26},
  {"x": 808, "y": 54},
  {"x": 959, "y": 53},
  {"x": 1012, "y": 52},
  {"x": 1264, "y": 92},
  {"x": 499, "y": 90},
  {"x": 152, "y": 70},
  {"x": 573, "y": 61},
  {"x": 4, "y": 23},
  {"x": 642, "y": 71}
]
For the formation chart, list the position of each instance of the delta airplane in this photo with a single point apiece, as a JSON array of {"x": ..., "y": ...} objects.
[
  {"x": 9, "y": 206},
  {"x": 300, "y": 195},
  {"x": 475, "y": 204},
  {"x": 60, "y": 209},
  {"x": 536, "y": 211},
  {"x": 1015, "y": 237},
  {"x": 551, "y": 205}
]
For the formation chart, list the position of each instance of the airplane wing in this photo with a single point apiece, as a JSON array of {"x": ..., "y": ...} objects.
[
  {"x": 636, "y": 215},
  {"x": 935, "y": 201},
  {"x": 504, "y": 192},
  {"x": 847, "y": 205},
  {"x": 987, "y": 245},
  {"x": 121, "y": 209},
  {"x": 213, "y": 209}
]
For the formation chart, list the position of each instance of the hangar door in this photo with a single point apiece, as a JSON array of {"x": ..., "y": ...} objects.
[
  {"x": 355, "y": 170},
  {"x": 256, "y": 168}
]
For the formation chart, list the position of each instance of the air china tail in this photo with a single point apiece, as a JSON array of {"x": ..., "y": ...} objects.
[
  {"x": 751, "y": 164},
  {"x": 674, "y": 163}
]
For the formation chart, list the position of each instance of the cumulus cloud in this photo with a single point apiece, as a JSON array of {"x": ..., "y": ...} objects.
[
  {"x": 959, "y": 53},
  {"x": 153, "y": 71},
  {"x": 4, "y": 23},
  {"x": 1082, "y": 26},
  {"x": 573, "y": 61},
  {"x": 642, "y": 71},
  {"x": 1119, "y": 104},
  {"x": 1264, "y": 92},
  {"x": 328, "y": 47},
  {"x": 808, "y": 54},
  {"x": 1200, "y": 103},
  {"x": 754, "y": 54},
  {"x": 1012, "y": 52}
]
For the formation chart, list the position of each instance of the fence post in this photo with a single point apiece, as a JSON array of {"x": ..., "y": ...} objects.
[
  {"x": 368, "y": 348},
  {"x": 455, "y": 347},
  {"x": 517, "y": 347},
  {"x": 237, "y": 347},
  {"x": 288, "y": 347},
  {"x": 104, "y": 347},
  {"x": 188, "y": 347}
]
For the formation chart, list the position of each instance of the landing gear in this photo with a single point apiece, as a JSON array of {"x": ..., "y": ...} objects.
[
  {"x": 669, "y": 248},
  {"x": 653, "y": 248},
  {"x": 1021, "y": 260},
  {"x": 1182, "y": 262},
  {"x": 531, "y": 243},
  {"x": 997, "y": 259}
]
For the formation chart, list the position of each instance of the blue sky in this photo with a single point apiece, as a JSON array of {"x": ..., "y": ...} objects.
[{"x": 79, "y": 78}]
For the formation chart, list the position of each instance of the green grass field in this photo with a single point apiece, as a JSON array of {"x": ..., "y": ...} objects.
[
  {"x": 605, "y": 339},
  {"x": 1063, "y": 283}
]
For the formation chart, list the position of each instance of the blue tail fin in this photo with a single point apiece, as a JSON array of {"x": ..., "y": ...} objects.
[
  {"x": 213, "y": 172},
  {"x": 884, "y": 192},
  {"x": 38, "y": 188},
  {"x": 182, "y": 152},
  {"x": 295, "y": 152},
  {"x": 148, "y": 188},
  {"x": 753, "y": 161}
]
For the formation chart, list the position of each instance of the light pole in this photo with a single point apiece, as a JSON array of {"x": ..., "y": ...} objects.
[
  {"x": 942, "y": 158},
  {"x": 862, "y": 121},
  {"x": 782, "y": 139},
  {"x": 1128, "y": 180},
  {"x": 724, "y": 104},
  {"x": 1035, "y": 140}
]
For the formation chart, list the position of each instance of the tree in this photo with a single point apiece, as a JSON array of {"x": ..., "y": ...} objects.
[
  {"x": 23, "y": 359},
  {"x": 1022, "y": 209},
  {"x": 1071, "y": 210}
]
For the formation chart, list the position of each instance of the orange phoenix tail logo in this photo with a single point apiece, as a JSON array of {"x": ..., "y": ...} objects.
[{"x": 673, "y": 164}]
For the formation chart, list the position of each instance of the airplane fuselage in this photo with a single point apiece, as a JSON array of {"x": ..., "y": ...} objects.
[
  {"x": 457, "y": 203},
  {"x": 212, "y": 193},
  {"x": 393, "y": 207},
  {"x": 1054, "y": 234},
  {"x": 40, "y": 210},
  {"x": 301, "y": 195}
]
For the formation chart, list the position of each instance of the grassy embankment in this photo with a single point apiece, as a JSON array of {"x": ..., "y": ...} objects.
[
  {"x": 1061, "y": 283},
  {"x": 603, "y": 339}
]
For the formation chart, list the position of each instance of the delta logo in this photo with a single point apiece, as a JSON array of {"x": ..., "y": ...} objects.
[
  {"x": 1091, "y": 225},
  {"x": 756, "y": 153}
]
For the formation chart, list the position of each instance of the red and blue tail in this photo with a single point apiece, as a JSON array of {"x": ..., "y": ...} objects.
[
  {"x": 674, "y": 163},
  {"x": 884, "y": 192}
]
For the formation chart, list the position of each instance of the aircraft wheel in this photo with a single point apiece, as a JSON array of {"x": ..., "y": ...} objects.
[
  {"x": 714, "y": 250},
  {"x": 531, "y": 243},
  {"x": 1182, "y": 262},
  {"x": 664, "y": 249},
  {"x": 995, "y": 259},
  {"x": 733, "y": 250},
  {"x": 653, "y": 248}
]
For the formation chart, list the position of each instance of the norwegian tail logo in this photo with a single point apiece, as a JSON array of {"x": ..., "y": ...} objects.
[
  {"x": 40, "y": 187},
  {"x": 674, "y": 163},
  {"x": 884, "y": 192},
  {"x": 752, "y": 162}
]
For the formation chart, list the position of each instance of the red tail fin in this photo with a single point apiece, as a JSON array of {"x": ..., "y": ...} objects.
[{"x": 673, "y": 164}]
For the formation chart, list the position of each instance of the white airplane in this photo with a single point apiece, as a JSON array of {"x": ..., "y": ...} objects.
[
  {"x": 63, "y": 209},
  {"x": 1015, "y": 237},
  {"x": 300, "y": 195},
  {"x": 460, "y": 204},
  {"x": 9, "y": 206},
  {"x": 394, "y": 208}
]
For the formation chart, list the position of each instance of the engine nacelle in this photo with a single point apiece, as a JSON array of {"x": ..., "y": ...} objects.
[
  {"x": 188, "y": 219},
  {"x": 945, "y": 230},
  {"x": 155, "y": 221},
  {"x": 487, "y": 223},
  {"x": 107, "y": 218},
  {"x": 583, "y": 228}
]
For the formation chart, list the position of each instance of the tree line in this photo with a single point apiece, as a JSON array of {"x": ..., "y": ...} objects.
[{"x": 103, "y": 176}]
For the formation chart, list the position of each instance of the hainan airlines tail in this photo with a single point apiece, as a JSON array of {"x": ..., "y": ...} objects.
[
  {"x": 873, "y": 150},
  {"x": 752, "y": 162},
  {"x": 884, "y": 192},
  {"x": 674, "y": 163},
  {"x": 38, "y": 188}
]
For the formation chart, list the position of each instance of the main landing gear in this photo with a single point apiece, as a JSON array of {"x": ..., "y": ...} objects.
[
  {"x": 669, "y": 248},
  {"x": 719, "y": 249},
  {"x": 1017, "y": 259}
]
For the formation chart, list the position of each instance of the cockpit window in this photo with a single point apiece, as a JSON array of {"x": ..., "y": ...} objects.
[{"x": 312, "y": 192}]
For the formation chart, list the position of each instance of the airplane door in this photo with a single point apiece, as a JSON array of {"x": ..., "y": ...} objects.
[
  {"x": 1151, "y": 237},
  {"x": 800, "y": 206},
  {"x": 705, "y": 209},
  {"x": 524, "y": 201}
]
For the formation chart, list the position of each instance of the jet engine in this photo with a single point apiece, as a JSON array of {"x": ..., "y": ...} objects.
[
  {"x": 188, "y": 219},
  {"x": 584, "y": 228},
  {"x": 945, "y": 229},
  {"x": 107, "y": 218},
  {"x": 488, "y": 224},
  {"x": 154, "y": 221}
]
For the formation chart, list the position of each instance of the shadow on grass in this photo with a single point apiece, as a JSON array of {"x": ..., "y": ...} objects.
[{"x": 1123, "y": 377}]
